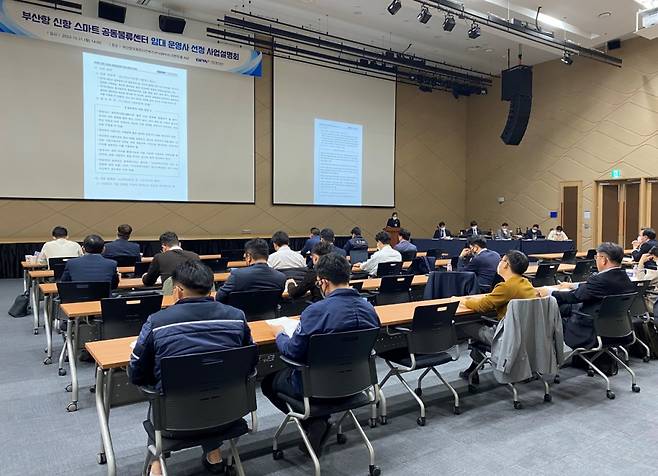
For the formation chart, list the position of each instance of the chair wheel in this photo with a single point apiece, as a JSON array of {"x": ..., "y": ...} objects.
[
  {"x": 548, "y": 397},
  {"x": 373, "y": 423},
  {"x": 646, "y": 359},
  {"x": 72, "y": 407},
  {"x": 69, "y": 388},
  {"x": 590, "y": 373},
  {"x": 610, "y": 394},
  {"x": 47, "y": 361},
  {"x": 231, "y": 471},
  {"x": 341, "y": 439},
  {"x": 92, "y": 389},
  {"x": 277, "y": 454},
  {"x": 421, "y": 421},
  {"x": 419, "y": 392},
  {"x": 383, "y": 420},
  {"x": 101, "y": 459},
  {"x": 457, "y": 410},
  {"x": 635, "y": 388},
  {"x": 556, "y": 379},
  {"x": 374, "y": 471},
  {"x": 518, "y": 405},
  {"x": 472, "y": 389},
  {"x": 61, "y": 372},
  {"x": 36, "y": 332}
]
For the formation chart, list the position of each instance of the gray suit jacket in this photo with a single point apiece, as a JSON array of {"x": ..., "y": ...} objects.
[{"x": 529, "y": 339}]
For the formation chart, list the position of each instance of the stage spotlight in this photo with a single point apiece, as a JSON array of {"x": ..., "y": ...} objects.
[
  {"x": 567, "y": 59},
  {"x": 449, "y": 22},
  {"x": 424, "y": 15},
  {"x": 474, "y": 31},
  {"x": 394, "y": 7}
]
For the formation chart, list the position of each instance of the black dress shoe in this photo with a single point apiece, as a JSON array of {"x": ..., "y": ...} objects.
[
  {"x": 317, "y": 432},
  {"x": 466, "y": 373},
  {"x": 218, "y": 468}
]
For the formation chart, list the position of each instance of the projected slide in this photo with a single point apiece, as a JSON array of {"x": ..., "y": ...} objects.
[
  {"x": 338, "y": 163},
  {"x": 135, "y": 130}
]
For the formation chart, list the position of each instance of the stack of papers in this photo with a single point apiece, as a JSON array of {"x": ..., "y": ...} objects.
[{"x": 289, "y": 325}]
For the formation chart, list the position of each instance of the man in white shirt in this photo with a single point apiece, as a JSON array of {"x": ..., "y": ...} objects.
[
  {"x": 60, "y": 246},
  {"x": 557, "y": 235},
  {"x": 283, "y": 257},
  {"x": 384, "y": 254}
]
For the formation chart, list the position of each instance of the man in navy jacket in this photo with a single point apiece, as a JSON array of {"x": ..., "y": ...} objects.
[
  {"x": 92, "y": 267},
  {"x": 195, "y": 324},
  {"x": 342, "y": 310},
  {"x": 313, "y": 240},
  {"x": 478, "y": 259},
  {"x": 121, "y": 246},
  {"x": 357, "y": 242}
]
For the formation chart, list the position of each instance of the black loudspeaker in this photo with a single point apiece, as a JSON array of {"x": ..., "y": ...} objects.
[
  {"x": 172, "y": 24},
  {"x": 112, "y": 12},
  {"x": 614, "y": 44},
  {"x": 517, "y": 89}
]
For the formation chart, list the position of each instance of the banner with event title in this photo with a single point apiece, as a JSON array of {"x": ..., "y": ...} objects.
[{"x": 52, "y": 25}]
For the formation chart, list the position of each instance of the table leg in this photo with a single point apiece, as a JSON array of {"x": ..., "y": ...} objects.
[
  {"x": 35, "y": 305},
  {"x": 103, "y": 388},
  {"x": 26, "y": 280},
  {"x": 70, "y": 348},
  {"x": 48, "y": 316}
]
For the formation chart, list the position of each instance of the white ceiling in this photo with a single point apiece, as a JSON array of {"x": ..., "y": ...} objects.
[{"x": 368, "y": 21}]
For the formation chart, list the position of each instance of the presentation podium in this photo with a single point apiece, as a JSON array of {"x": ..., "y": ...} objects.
[{"x": 394, "y": 231}]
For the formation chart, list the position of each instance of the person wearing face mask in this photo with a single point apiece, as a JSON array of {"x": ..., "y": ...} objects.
[
  {"x": 557, "y": 235},
  {"x": 441, "y": 232},
  {"x": 643, "y": 273},
  {"x": 504, "y": 233},
  {"x": 341, "y": 310},
  {"x": 473, "y": 230},
  {"x": 164, "y": 263},
  {"x": 394, "y": 221},
  {"x": 384, "y": 254},
  {"x": 533, "y": 233},
  {"x": 257, "y": 276},
  {"x": 299, "y": 289},
  {"x": 478, "y": 259},
  {"x": 195, "y": 324}
]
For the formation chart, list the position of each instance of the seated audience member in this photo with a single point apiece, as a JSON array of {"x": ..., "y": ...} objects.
[
  {"x": 533, "y": 233},
  {"x": 586, "y": 297},
  {"x": 557, "y": 235},
  {"x": 404, "y": 243},
  {"x": 165, "y": 263},
  {"x": 121, "y": 246},
  {"x": 92, "y": 266},
  {"x": 394, "y": 221},
  {"x": 514, "y": 286},
  {"x": 442, "y": 232},
  {"x": 643, "y": 244},
  {"x": 195, "y": 324},
  {"x": 298, "y": 290},
  {"x": 59, "y": 247},
  {"x": 504, "y": 233},
  {"x": 357, "y": 242},
  {"x": 257, "y": 276},
  {"x": 384, "y": 254},
  {"x": 283, "y": 257},
  {"x": 327, "y": 235},
  {"x": 478, "y": 259},
  {"x": 313, "y": 239},
  {"x": 341, "y": 310},
  {"x": 644, "y": 273},
  {"x": 473, "y": 230}
]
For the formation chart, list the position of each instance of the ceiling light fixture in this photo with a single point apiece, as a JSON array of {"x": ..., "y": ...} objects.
[
  {"x": 394, "y": 7},
  {"x": 474, "y": 31},
  {"x": 424, "y": 15},
  {"x": 449, "y": 22},
  {"x": 567, "y": 59}
]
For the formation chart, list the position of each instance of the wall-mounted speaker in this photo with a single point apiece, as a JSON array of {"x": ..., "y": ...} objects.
[
  {"x": 517, "y": 89},
  {"x": 172, "y": 24},
  {"x": 112, "y": 12}
]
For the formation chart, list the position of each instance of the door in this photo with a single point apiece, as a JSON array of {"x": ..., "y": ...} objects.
[
  {"x": 652, "y": 189},
  {"x": 570, "y": 211},
  {"x": 631, "y": 212},
  {"x": 609, "y": 212}
]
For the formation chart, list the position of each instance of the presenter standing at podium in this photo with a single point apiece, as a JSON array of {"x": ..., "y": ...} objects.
[{"x": 394, "y": 221}]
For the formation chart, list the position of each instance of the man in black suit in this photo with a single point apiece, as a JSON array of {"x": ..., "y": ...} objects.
[
  {"x": 298, "y": 288},
  {"x": 478, "y": 259},
  {"x": 257, "y": 276},
  {"x": 327, "y": 236},
  {"x": 121, "y": 246},
  {"x": 442, "y": 232},
  {"x": 92, "y": 266},
  {"x": 164, "y": 264},
  {"x": 394, "y": 221},
  {"x": 644, "y": 243},
  {"x": 473, "y": 230},
  {"x": 533, "y": 233},
  {"x": 579, "y": 303}
]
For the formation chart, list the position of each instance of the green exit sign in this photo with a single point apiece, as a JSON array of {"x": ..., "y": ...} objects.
[{"x": 616, "y": 173}]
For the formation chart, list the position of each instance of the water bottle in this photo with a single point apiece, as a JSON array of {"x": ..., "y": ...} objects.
[{"x": 449, "y": 266}]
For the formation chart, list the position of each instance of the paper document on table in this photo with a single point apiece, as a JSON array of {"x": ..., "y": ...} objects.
[{"x": 289, "y": 325}]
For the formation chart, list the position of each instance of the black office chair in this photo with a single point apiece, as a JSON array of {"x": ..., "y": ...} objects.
[
  {"x": 581, "y": 272},
  {"x": 569, "y": 257},
  {"x": 456, "y": 283},
  {"x": 409, "y": 255},
  {"x": 125, "y": 316},
  {"x": 204, "y": 397},
  {"x": 435, "y": 252},
  {"x": 590, "y": 254},
  {"x": 298, "y": 274},
  {"x": 126, "y": 261},
  {"x": 358, "y": 256},
  {"x": 431, "y": 336},
  {"x": 56, "y": 261},
  {"x": 394, "y": 289},
  {"x": 339, "y": 376},
  {"x": 357, "y": 285},
  {"x": 613, "y": 328},
  {"x": 257, "y": 305},
  {"x": 640, "y": 313},
  {"x": 58, "y": 270},
  {"x": 545, "y": 275},
  {"x": 219, "y": 265},
  {"x": 141, "y": 267},
  {"x": 389, "y": 269},
  {"x": 233, "y": 254}
]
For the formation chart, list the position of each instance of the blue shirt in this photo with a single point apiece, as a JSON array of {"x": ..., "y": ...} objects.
[
  {"x": 342, "y": 310},
  {"x": 485, "y": 267},
  {"x": 405, "y": 246},
  {"x": 310, "y": 243}
]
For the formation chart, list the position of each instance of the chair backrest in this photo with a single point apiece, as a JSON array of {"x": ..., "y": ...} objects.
[
  {"x": 256, "y": 305},
  {"x": 298, "y": 274},
  {"x": 433, "y": 329},
  {"x": 124, "y": 316},
  {"x": 58, "y": 270},
  {"x": 456, "y": 283},
  {"x": 55, "y": 261},
  {"x": 78, "y": 291},
  {"x": 141, "y": 267},
  {"x": 582, "y": 271},
  {"x": 394, "y": 289},
  {"x": 207, "y": 390},
  {"x": 125, "y": 261},
  {"x": 639, "y": 307},
  {"x": 545, "y": 275},
  {"x": 409, "y": 255},
  {"x": 389, "y": 269},
  {"x": 357, "y": 285},
  {"x": 436, "y": 252},
  {"x": 454, "y": 263},
  {"x": 613, "y": 318},
  {"x": 590, "y": 254},
  {"x": 340, "y": 364},
  {"x": 233, "y": 254},
  {"x": 569, "y": 257},
  {"x": 358, "y": 256},
  {"x": 218, "y": 265}
]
